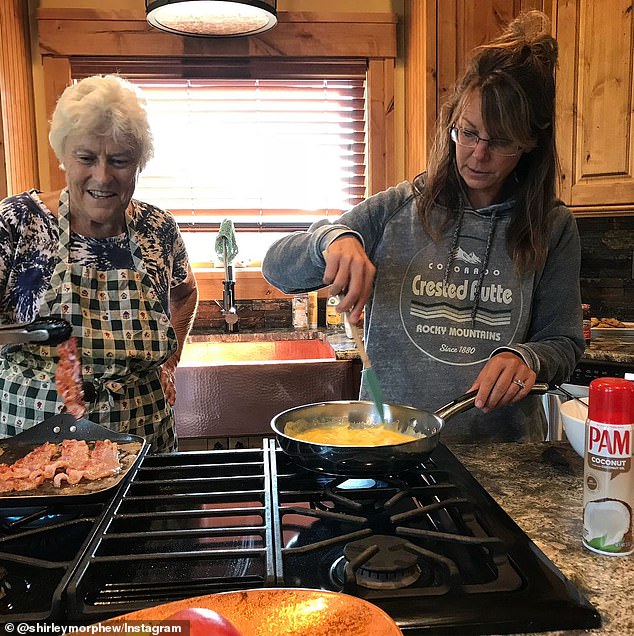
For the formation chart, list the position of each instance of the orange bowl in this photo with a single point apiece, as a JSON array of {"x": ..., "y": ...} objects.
[{"x": 282, "y": 612}]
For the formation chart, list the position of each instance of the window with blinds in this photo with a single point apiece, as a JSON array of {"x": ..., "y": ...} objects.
[{"x": 268, "y": 153}]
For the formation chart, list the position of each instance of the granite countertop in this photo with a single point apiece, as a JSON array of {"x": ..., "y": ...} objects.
[
  {"x": 611, "y": 348},
  {"x": 540, "y": 486}
]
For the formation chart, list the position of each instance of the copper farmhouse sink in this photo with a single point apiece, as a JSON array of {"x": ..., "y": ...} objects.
[
  {"x": 233, "y": 385},
  {"x": 213, "y": 352}
]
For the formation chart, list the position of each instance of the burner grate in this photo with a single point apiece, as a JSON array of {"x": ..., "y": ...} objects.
[
  {"x": 460, "y": 553},
  {"x": 39, "y": 548},
  {"x": 423, "y": 517},
  {"x": 181, "y": 528},
  {"x": 117, "y": 594}
]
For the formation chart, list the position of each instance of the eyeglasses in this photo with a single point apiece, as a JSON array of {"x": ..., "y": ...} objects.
[{"x": 470, "y": 139}]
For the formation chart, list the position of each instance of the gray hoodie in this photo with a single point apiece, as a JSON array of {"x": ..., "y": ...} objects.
[{"x": 426, "y": 334}]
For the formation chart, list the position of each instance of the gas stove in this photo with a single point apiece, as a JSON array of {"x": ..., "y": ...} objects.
[
  {"x": 39, "y": 548},
  {"x": 429, "y": 546}
]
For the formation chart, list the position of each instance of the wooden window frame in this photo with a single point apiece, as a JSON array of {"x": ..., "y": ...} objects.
[
  {"x": 287, "y": 71},
  {"x": 67, "y": 34}
]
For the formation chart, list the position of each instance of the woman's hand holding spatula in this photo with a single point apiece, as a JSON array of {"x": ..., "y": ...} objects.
[
  {"x": 368, "y": 374},
  {"x": 350, "y": 274}
]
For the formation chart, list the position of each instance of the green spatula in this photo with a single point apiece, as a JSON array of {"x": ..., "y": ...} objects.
[{"x": 368, "y": 374}]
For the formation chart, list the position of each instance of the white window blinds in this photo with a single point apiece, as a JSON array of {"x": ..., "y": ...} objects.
[{"x": 265, "y": 152}]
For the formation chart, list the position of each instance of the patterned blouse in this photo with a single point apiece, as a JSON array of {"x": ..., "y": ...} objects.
[{"x": 29, "y": 239}]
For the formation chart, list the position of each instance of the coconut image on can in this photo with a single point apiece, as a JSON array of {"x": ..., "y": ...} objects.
[
  {"x": 608, "y": 484},
  {"x": 607, "y": 526}
]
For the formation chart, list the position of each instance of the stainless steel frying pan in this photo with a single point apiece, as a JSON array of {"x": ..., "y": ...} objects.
[
  {"x": 132, "y": 449},
  {"x": 352, "y": 461}
]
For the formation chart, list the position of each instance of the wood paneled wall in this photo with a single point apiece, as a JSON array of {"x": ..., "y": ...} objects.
[
  {"x": 439, "y": 36},
  {"x": 19, "y": 157},
  {"x": 421, "y": 76}
]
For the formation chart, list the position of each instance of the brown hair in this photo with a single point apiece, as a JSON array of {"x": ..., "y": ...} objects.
[{"x": 515, "y": 76}]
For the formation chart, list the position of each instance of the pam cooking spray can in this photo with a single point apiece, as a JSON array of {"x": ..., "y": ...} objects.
[{"x": 608, "y": 476}]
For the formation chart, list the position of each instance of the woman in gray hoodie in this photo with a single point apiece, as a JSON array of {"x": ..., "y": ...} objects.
[{"x": 469, "y": 274}]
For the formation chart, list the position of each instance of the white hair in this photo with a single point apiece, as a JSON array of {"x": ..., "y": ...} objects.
[{"x": 106, "y": 106}]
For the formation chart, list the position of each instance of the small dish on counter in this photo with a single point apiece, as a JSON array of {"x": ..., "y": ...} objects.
[
  {"x": 573, "y": 416},
  {"x": 622, "y": 332}
]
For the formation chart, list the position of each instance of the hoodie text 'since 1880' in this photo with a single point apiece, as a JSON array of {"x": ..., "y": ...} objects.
[{"x": 433, "y": 321}]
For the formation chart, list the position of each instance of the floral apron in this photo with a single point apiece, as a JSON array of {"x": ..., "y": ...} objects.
[{"x": 123, "y": 337}]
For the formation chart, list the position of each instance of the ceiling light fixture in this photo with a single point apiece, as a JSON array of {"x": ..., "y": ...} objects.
[{"x": 212, "y": 18}]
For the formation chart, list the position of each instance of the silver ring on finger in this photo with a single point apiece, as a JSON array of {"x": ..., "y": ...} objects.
[{"x": 519, "y": 383}]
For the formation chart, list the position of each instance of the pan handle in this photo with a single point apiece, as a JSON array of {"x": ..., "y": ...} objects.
[
  {"x": 466, "y": 401},
  {"x": 51, "y": 331}
]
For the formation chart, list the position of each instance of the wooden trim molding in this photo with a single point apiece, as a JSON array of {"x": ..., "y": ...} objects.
[
  {"x": 380, "y": 125},
  {"x": 57, "y": 74},
  {"x": 77, "y": 32},
  {"x": 16, "y": 90},
  {"x": 421, "y": 83},
  {"x": 602, "y": 210}
]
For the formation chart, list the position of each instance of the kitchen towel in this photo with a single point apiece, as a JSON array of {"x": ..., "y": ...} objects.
[{"x": 226, "y": 235}]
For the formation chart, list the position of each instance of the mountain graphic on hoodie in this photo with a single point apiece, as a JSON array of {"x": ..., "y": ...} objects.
[{"x": 461, "y": 255}]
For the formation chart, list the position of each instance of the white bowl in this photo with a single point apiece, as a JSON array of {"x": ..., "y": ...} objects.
[{"x": 573, "y": 416}]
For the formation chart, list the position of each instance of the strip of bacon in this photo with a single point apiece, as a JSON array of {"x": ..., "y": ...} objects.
[
  {"x": 75, "y": 454},
  {"x": 68, "y": 378},
  {"x": 27, "y": 473},
  {"x": 69, "y": 462},
  {"x": 103, "y": 462},
  {"x": 74, "y": 458},
  {"x": 37, "y": 458}
]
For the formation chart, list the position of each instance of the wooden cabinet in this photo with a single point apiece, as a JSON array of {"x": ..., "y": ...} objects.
[{"x": 595, "y": 84}]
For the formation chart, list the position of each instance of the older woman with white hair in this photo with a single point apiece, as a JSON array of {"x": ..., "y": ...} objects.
[{"x": 114, "y": 267}]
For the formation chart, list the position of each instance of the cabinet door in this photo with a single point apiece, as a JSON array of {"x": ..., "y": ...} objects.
[{"x": 595, "y": 96}]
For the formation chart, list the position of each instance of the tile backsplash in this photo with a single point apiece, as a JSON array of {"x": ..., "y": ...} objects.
[
  {"x": 607, "y": 275},
  {"x": 255, "y": 315}
]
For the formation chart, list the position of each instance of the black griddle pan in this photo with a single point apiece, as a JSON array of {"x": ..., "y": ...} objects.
[{"x": 132, "y": 448}]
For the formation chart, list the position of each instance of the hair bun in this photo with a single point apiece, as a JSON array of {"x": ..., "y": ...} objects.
[
  {"x": 531, "y": 26},
  {"x": 527, "y": 36}
]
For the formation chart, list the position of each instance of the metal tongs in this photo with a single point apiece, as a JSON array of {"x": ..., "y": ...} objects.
[
  {"x": 51, "y": 331},
  {"x": 570, "y": 395}
]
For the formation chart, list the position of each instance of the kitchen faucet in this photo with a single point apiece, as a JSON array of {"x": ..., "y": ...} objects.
[
  {"x": 229, "y": 310},
  {"x": 226, "y": 249}
]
